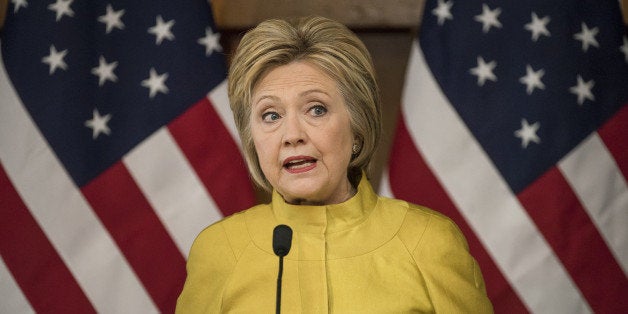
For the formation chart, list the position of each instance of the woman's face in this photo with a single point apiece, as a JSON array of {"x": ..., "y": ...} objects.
[{"x": 302, "y": 134}]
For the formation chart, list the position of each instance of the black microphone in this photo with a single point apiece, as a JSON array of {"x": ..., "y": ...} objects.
[{"x": 282, "y": 240}]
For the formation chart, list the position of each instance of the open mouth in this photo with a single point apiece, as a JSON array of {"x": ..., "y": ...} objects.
[{"x": 299, "y": 164}]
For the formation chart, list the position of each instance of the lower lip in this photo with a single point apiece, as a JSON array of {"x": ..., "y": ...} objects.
[{"x": 301, "y": 169}]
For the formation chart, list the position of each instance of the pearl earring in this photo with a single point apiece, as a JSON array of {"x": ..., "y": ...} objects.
[{"x": 356, "y": 148}]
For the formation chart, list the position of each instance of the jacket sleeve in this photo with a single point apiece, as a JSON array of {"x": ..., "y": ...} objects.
[
  {"x": 209, "y": 267},
  {"x": 452, "y": 276}
]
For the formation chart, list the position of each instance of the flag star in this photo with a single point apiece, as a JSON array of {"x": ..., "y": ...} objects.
[
  {"x": 156, "y": 83},
  {"x": 484, "y": 71},
  {"x": 55, "y": 59},
  {"x": 104, "y": 71},
  {"x": 62, "y": 7},
  {"x": 112, "y": 19},
  {"x": 488, "y": 18},
  {"x": 532, "y": 79},
  {"x": 624, "y": 48},
  {"x": 98, "y": 124},
  {"x": 17, "y": 4},
  {"x": 583, "y": 90},
  {"x": 538, "y": 26},
  {"x": 210, "y": 41},
  {"x": 161, "y": 30},
  {"x": 443, "y": 11},
  {"x": 587, "y": 37},
  {"x": 527, "y": 133}
]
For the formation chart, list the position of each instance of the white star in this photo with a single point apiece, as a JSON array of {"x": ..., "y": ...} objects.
[
  {"x": 583, "y": 90},
  {"x": 538, "y": 26},
  {"x": 161, "y": 30},
  {"x": 488, "y": 18},
  {"x": 527, "y": 133},
  {"x": 98, "y": 124},
  {"x": 156, "y": 83},
  {"x": 55, "y": 59},
  {"x": 62, "y": 7},
  {"x": 112, "y": 19},
  {"x": 17, "y": 4},
  {"x": 624, "y": 48},
  {"x": 587, "y": 37},
  {"x": 443, "y": 11},
  {"x": 210, "y": 41},
  {"x": 532, "y": 79},
  {"x": 104, "y": 71},
  {"x": 484, "y": 71}
]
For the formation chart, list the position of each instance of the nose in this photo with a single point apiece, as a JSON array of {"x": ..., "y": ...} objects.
[{"x": 294, "y": 132}]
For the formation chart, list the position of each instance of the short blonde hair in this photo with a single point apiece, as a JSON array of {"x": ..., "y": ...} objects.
[{"x": 326, "y": 44}]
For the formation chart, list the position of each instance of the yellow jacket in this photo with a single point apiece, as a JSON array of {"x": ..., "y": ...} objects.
[{"x": 367, "y": 255}]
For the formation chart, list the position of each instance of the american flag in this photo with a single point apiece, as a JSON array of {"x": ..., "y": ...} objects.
[
  {"x": 515, "y": 123},
  {"x": 117, "y": 147}
]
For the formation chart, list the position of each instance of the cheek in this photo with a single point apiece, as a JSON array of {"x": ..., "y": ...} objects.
[
  {"x": 339, "y": 143},
  {"x": 265, "y": 151}
]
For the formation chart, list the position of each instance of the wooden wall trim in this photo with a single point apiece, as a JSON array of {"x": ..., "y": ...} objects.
[
  {"x": 356, "y": 14},
  {"x": 4, "y": 6}
]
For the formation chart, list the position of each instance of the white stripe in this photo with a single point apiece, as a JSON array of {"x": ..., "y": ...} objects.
[
  {"x": 63, "y": 214},
  {"x": 172, "y": 188},
  {"x": 13, "y": 301},
  {"x": 384, "y": 185},
  {"x": 219, "y": 97},
  {"x": 593, "y": 174},
  {"x": 483, "y": 198}
]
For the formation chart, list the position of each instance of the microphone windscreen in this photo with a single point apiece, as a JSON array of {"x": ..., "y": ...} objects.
[{"x": 282, "y": 240}]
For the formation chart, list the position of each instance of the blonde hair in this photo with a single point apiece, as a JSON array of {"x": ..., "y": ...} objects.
[{"x": 326, "y": 44}]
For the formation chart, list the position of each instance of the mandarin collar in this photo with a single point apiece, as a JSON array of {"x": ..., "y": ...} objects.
[{"x": 326, "y": 219}]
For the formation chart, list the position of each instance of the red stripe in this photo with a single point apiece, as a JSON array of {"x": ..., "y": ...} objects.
[
  {"x": 39, "y": 271},
  {"x": 139, "y": 234},
  {"x": 411, "y": 179},
  {"x": 560, "y": 217},
  {"x": 215, "y": 157},
  {"x": 614, "y": 133}
]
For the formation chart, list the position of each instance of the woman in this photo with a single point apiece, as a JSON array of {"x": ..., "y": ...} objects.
[{"x": 306, "y": 104}]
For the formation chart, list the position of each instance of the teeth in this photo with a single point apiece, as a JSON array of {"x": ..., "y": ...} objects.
[{"x": 299, "y": 163}]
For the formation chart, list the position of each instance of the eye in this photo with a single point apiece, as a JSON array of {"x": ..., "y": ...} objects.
[
  {"x": 270, "y": 116},
  {"x": 318, "y": 110}
]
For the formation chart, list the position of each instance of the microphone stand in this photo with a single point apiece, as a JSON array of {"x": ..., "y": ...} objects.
[
  {"x": 282, "y": 241},
  {"x": 279, "y": 276}
]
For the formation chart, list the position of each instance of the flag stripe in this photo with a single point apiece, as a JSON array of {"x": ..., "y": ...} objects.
[
  {"x": 219, "y": 97},
  {"x": 592, "y": 172},
  {"x": 41, "y": 274},
  {"x": 499, "y": 221},
  {"x": 423, "y": 188},
  {"x": 206, "y": 143},
  {"x": 139, "y": 233},
  {"x": 595, "y": 271},
  {"x": 13, "y": 300},
  {"x": 613, "y": 133},
  {"x": 180, "y": 201},
  {"x": 62, "y": 213}
]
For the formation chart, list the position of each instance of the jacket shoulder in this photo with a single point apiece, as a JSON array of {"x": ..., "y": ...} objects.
[
  {"x": 440, "y": 251},
  {"x": 213, "y": 256},
  {"x": 420, "y": 222},
  {"x": 231, "y": 230}
]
